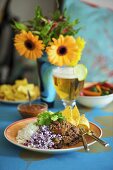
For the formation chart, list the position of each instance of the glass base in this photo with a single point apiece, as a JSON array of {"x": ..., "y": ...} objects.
[{"x": 71, "y": 103}]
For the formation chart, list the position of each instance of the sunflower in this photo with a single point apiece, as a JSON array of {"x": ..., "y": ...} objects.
[
  {"x": 28, "y": 45},
  {"x": 64, "y": 51},
  {"x": 80, "y": 43}
]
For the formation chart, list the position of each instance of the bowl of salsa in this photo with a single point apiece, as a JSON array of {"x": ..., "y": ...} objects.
[{"x": 28, "y": 110}]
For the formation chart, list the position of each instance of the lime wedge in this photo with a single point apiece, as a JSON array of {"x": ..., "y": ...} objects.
[{"x": 80, "y": 71}]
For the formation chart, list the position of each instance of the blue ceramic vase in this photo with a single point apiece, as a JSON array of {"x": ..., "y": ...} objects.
[{"x": 47, "y": 90}]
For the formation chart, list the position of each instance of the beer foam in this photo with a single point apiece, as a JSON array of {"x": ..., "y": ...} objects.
[{"x": 67, "y": 73}]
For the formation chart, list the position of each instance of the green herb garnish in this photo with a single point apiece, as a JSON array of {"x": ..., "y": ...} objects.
[{"x": 47, "y": 117}]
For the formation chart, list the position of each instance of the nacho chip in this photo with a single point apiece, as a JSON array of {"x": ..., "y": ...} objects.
[
  {"x": 76, "y": 115},
  {"x": 84, "y": 123},
  {"x": 21, "y": 82},
  {"x": 71, "y": 115},
  {"x": 25, "y": 88}
]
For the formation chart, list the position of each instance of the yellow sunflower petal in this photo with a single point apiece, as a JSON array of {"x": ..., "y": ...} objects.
[{"x": 81, "y": 43}]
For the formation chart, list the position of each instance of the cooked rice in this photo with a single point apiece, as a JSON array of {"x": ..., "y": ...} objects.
[{"x": 25, "y": 133}]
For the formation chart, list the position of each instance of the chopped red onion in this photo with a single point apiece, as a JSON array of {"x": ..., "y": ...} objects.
[{"x": 42, "y": 139}]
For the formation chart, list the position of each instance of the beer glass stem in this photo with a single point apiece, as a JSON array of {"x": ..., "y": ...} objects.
[{"x": 71, "y": 103}]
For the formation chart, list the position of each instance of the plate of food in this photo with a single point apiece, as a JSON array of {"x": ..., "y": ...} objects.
[
  {"x": 18, "y": 92},
  {"x": 51, "y": 132}
]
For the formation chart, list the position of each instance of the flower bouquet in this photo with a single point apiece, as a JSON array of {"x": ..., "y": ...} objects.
[{"x": 51, "y": 42}]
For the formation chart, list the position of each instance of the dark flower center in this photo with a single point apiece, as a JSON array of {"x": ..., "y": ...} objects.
[
  {"x": 29, "y": 44},
  {"x": 62, "y": 50}
]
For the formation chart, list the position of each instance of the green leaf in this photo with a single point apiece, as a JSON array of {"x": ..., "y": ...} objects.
[
  {"x": 38, "y": 13},
  {"x": 75, "y": 22},
  {"x": 36, "y": 32},
  {"x": 47, "y": 122},
  {"x": 54, "y": 117},
  {"x": 41, "y": 121},
  {"x": 56, "y": 15},
  {"x": 20, "y": 26},
  {"x": 46, "y": 29}
]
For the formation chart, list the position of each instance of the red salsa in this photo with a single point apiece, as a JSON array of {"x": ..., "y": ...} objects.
[{"x": 32, "y": 110}]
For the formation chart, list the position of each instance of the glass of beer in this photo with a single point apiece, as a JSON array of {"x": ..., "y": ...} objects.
[{"x": 67, "y": 85}]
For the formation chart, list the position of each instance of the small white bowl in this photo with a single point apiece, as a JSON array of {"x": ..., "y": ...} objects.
[{"x": 95, "y": 101}]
